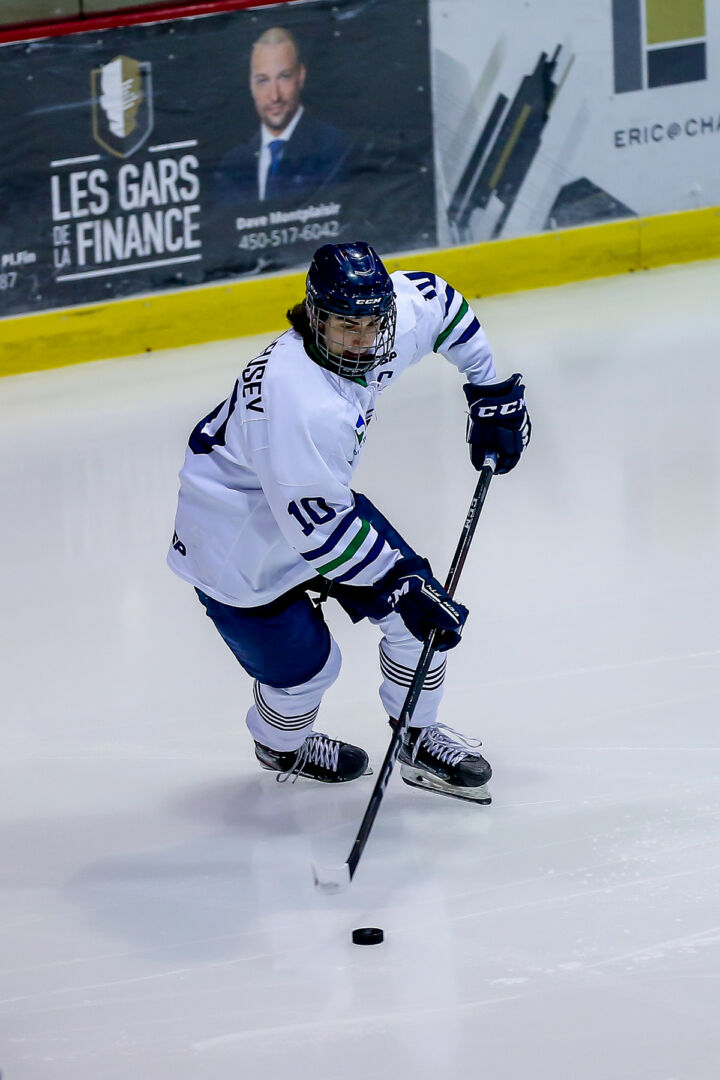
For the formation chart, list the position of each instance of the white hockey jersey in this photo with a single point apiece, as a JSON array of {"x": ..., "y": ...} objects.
[{"x": 265, "y": 500}]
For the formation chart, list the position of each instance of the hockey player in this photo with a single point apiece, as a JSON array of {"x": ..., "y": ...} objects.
[{"x": 266, "y": 514}]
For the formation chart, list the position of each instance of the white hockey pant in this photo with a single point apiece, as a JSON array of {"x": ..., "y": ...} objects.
[{"x": 283, "y": 718}]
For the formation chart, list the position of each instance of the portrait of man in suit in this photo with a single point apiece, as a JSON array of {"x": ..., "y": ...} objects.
[{"x": 293, "y": 155}]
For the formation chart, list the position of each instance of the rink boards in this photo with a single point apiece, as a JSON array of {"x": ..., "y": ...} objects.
[{"x": 209, "y": 313}]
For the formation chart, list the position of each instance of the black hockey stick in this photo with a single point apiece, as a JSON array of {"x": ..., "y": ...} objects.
[{"x": 335, "y": 879}]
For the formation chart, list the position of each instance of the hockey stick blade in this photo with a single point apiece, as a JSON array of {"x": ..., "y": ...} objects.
[{"x": 331, "y": 880}]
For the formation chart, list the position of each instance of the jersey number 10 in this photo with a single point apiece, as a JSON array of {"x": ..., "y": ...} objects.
[{"x": 316, "y": 509}]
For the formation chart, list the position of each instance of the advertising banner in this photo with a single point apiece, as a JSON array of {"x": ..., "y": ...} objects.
[
  {"x": 554, "y": 115},
  {"x": 177, "y": 153}
]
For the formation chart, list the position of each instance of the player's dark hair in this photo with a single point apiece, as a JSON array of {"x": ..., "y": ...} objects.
[{"x": 298, "y": 318}]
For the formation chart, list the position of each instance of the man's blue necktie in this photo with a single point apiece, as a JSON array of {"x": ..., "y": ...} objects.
[{"x": 276, "y": 148}]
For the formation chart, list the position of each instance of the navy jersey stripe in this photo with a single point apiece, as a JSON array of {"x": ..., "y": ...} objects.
[
  {"x": 425, "y": 282},
  {"x": 419, "y": 275},
  {"x": 467, "y": 334},
  {"x": 349, "y": 553},
  {"x": 333, "y": 538},
  {"x": 461, "y": 313},
  {"x": 370, "y": 557}
]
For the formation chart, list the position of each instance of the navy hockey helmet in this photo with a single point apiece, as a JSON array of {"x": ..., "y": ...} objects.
[{"x": 351, "y": 308}]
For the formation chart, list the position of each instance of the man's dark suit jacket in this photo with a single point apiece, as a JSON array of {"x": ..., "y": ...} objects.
[{"x": 314, "y": 159}]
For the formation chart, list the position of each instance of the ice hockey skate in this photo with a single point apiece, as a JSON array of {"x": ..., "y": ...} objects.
[
  {"x": 319, "y": 758},
  {"x": 440, "y": 759}
]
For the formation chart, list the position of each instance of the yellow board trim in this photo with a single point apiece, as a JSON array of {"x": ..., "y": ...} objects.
[{"x": 191, "y": 316}]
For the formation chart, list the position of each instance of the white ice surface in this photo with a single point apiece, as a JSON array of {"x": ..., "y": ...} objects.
[{"x": 157, "y": 913}]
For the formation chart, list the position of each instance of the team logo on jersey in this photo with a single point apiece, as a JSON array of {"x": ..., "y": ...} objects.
[
  {"x": 122, "y": 105},
  {"x": 360, "y": 429}
]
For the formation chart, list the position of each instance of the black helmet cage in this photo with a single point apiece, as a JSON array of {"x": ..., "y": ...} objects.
[{"x": 347, "y": 365}]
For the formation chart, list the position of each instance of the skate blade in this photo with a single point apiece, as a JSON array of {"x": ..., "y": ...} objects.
[
  {"x": 302, "y": 776},
  {"x": 414, "y": 778}
]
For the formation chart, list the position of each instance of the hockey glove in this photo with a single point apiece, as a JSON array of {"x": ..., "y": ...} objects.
[
  {"x": 498, "y": 422},
  {"x": 422, "y": 603}
]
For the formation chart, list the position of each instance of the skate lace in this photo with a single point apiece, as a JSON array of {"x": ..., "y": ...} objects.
[
  {"x": 442, "y": 746},
  {"x": 316, "y": 750}
]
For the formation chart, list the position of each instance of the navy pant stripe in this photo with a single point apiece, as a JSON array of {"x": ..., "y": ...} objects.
[{"x": 269, "y": 714}]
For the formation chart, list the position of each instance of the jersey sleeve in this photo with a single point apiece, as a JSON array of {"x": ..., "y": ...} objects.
[
  {"x": 306, "y": 482},
  {"x": 452, "y": 328}
]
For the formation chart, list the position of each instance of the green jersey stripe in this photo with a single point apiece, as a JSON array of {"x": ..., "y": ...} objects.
[
  {"x": 460, "y": 315},
  {"x": 349, "y": 550}
]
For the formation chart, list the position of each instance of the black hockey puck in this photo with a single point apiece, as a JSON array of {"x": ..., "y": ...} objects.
[{"x": 367, "y": 935}]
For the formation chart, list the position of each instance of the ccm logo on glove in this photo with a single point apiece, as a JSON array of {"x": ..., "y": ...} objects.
[
  {"x": 483, "y": 411},
  {"x": 498, "y": 422}
]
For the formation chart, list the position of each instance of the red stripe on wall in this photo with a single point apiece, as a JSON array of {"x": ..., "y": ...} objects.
[{"x": 129, "y": 17}]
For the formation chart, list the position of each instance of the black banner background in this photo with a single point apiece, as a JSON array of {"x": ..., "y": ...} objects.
[{"x": 81, "y": 223}]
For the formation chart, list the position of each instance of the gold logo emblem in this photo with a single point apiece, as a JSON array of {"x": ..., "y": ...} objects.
[{"x": 122, "y": 106}]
